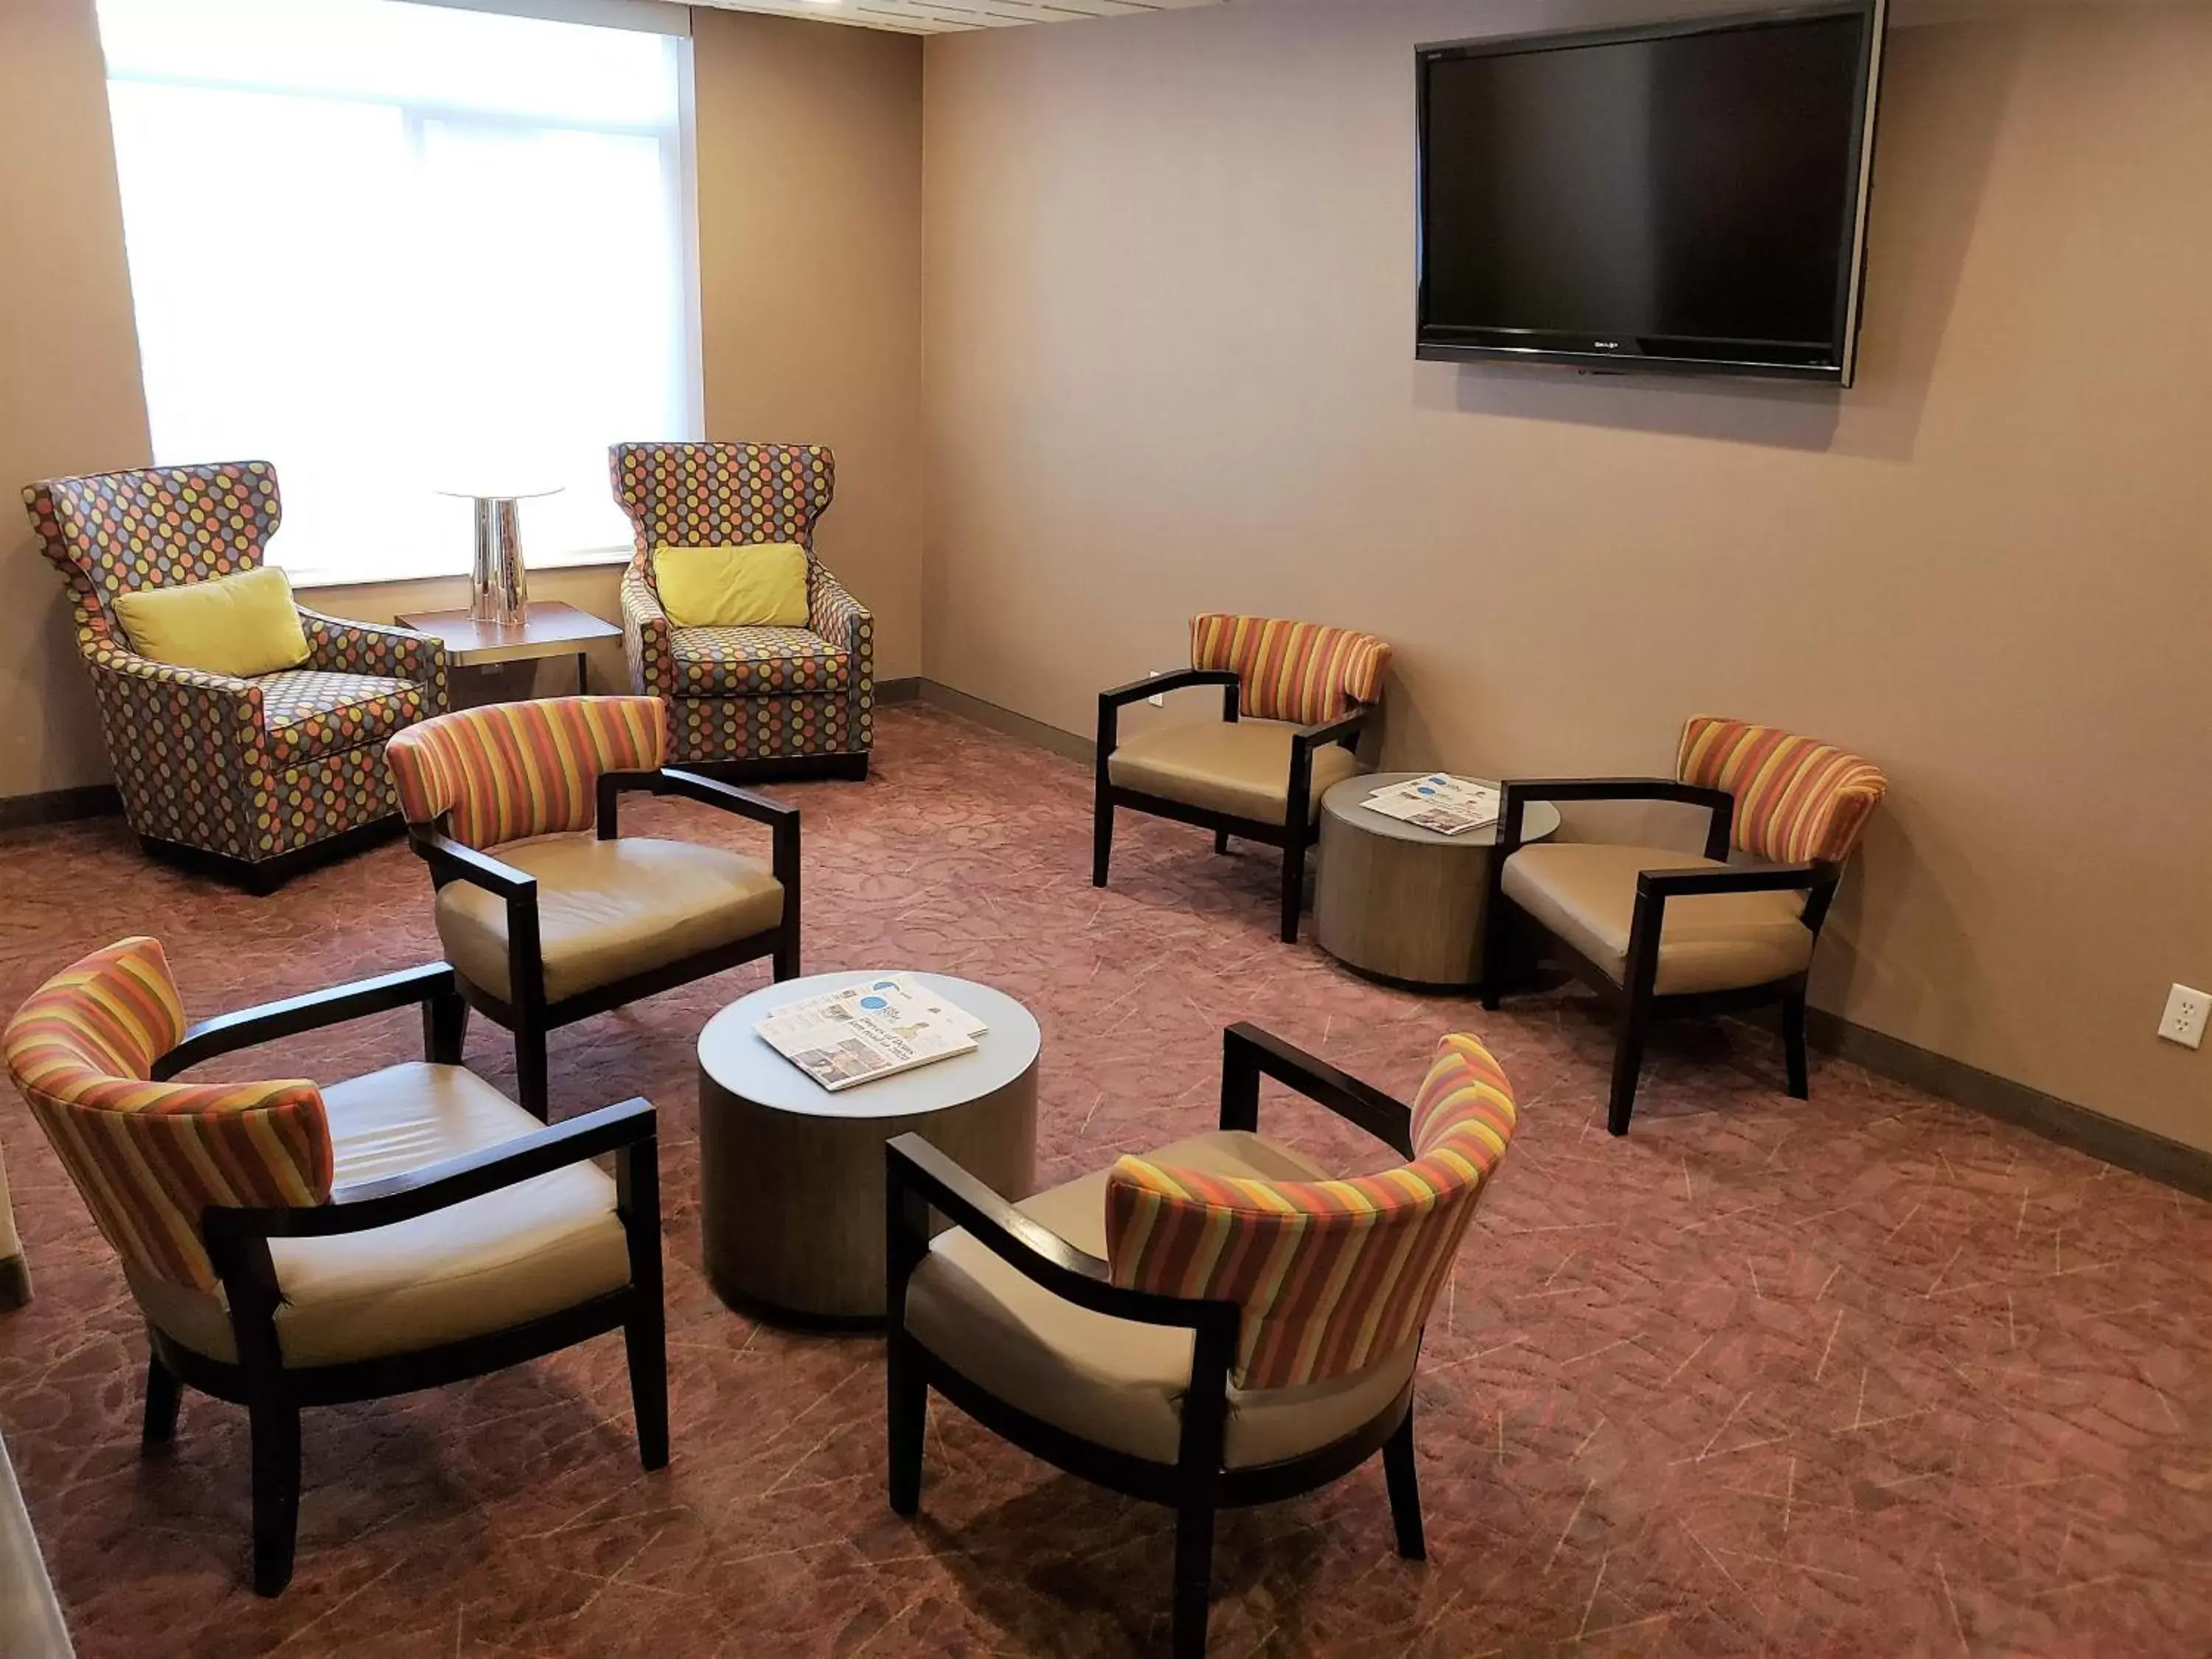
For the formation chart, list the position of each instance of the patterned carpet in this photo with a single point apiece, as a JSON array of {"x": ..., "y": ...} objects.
[{"x": 1869, "y": 1376}]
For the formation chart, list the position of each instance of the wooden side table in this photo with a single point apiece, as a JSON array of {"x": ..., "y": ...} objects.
[
  {"x": 1400, "y": 903},
  {"x": 791, "y": 1176},
  {"x": 551, "y": 629}
]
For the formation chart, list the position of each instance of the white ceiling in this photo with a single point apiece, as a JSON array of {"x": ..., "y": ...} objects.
[{"x": 943, "y": 16}]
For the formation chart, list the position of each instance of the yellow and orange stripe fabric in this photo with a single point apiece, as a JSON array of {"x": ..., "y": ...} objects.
[
  {"x": 1291, "y": 671},
  {"x": 1333, "y": 1275},
  {"x": 515, "y": 769},
  {"x": 150, "y": 1157},
  {"x": 1796, "y": 799}
]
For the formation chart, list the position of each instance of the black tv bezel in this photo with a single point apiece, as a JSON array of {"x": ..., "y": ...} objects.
[{"x": 1839, "y": 368}]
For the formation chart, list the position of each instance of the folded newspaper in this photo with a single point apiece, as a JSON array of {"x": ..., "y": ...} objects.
[
  {"x": 1440, "y": 802},
  {"x": 877, "y": 1028}
]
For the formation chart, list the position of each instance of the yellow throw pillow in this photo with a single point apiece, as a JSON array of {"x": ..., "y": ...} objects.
[
  {"x": 756, "y": 584},
  {"x": 242, "y": 623}
]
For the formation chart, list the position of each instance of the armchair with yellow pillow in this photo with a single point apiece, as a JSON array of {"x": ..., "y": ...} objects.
[
  {"x": 246, "y": 732},
  {"x": 765, "y": 663}
]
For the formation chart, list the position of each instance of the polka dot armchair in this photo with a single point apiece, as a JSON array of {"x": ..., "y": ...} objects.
[
  {"x": 249, "y": 774},
  {"x": 768, "y": 699}
]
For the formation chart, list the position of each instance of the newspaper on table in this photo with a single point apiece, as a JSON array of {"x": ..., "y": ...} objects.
[
  {"x": 877, "y": 1028},
  {"x": 1440, "y": 802}
]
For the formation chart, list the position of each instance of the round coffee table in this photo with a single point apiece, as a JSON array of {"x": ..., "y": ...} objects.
[
  {"x": 1400, "y": 903},
  {"x": 791, "y": 1176}
]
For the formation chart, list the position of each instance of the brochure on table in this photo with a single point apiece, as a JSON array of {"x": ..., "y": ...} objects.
[
  {"x": 876, "y": 1028},
  {"x": 1441, "y": 802}
]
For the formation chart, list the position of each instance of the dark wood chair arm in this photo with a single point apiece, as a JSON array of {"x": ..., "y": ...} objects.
[
  {"x": 1773, "y": 879},
  {"x": 1557, "y": 789},
  {"x": 913, "y": 1168},
  {"x": 1336, "y": 730},
  {"x": 1248, "y": 1053},
  {"x": 273, "y": 1021},
  {"x": 367, "y": 1204},
  {"x": 1176, "y": 679},
  {"x": 746, "y": 803},
  {"x": 1517, "y": 792},
  {"x": 711, "y": 792},
  {"x": 456, "y": 860}
]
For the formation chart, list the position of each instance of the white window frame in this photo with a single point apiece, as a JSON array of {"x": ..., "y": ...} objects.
[{"x": 647, "y": 16}]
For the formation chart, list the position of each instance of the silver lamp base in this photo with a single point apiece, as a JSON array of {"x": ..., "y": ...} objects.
[{"x": 499, "y": 587}]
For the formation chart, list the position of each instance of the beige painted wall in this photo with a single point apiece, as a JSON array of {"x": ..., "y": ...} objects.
[
  {"x": 1169, "y": 333},
  {"x": 70, "y": 400},
  {"x": 809, "y": 227},
  {"x": 810, "y": 275}
]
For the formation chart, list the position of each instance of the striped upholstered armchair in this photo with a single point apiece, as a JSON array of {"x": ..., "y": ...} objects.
[
  {"x": 292, "y": 1245},
  {"x": 1295, "y": 699},
  {"x": 251, "y": 777},
  {"x": 1659, "y": 933},
  {"x": 751, "y": 701},
  {"x": 548, "y": 913},
  {"x": 1215, "y": 1324}
]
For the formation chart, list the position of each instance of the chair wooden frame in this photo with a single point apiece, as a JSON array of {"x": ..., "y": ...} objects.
[
  {"x": 920, "y": 1179},
  {"x": 237, "y": 1244},
  {"x": 1635, "y": 998},
  {"x": 1294, "y": 835},
  {"x": 528, "y": 1013}
]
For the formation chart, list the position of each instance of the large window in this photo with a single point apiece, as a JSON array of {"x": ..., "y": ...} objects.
[{"x": 400, "y": 248}]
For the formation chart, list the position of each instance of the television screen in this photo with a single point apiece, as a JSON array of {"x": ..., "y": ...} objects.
[{"x": 1689, "y": 195}]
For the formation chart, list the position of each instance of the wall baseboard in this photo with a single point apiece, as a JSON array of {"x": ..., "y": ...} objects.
[
  {"x": 1006, "y": 721},
  {"x": 93, "y": 800},
  {"x": 2174, "y": 1163},
  {"x": 902, "y": 691}
]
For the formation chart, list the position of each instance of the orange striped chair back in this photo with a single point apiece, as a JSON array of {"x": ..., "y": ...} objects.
[
  {"x": 1796, "y": 800},
  {"x": 515, "y": 769},
  {"x": 1333, "y": 1275},
  {"x": 1291, "y": 671},
  {"x": 150, "y": 1157}
]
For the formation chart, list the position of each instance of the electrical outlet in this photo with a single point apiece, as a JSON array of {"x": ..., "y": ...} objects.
[
  {"x": 2185, "y": 1012},
  {"x": 1157, "y": 700}
]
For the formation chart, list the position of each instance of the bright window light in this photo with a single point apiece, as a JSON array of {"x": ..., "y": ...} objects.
[{"x": 398, "y": 249}]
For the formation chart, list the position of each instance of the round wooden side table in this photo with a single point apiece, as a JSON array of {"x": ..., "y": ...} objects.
[
  {"x": 1400, "y": 903},
  {"x": 791, "y": 1176}
]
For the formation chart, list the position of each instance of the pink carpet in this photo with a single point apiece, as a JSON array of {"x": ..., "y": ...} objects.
[{"x": 1870, "y": 1375}]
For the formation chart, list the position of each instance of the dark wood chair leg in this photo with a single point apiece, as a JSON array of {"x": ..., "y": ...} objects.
[
  {"x": 1101, "y": 839},
  {"x": 1405, "y": 1485},
  {"x": 1294, "y": 889},
  {"x": 1627, "y": 1061},
  {"x": 1500, "y": 925},
  {"x": 645, "y": 1328},
  {"x": 1221, "y": 840},
  {"x": 1793, "y": 1046},
  {"x": 645, "y": 1335},
  {"x": 786, "y": 964},
  {"x": 164, "y": 1393},
  {"x": 907, "y": 1397},
  {"x": 1194, "y": 1575},
  {"x": 530, "y": 1070},
  {"x": 445, "y": 1029},
  {"x": 274, "y": 1426}
]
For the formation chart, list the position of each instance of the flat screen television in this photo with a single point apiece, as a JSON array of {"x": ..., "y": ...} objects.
[{"x": 1688, "y": 196}]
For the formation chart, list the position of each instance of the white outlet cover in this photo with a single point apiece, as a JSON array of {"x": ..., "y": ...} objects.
[
  {"x": 1157, "y": 701},
  {"x": 2185, "y": 1014}
]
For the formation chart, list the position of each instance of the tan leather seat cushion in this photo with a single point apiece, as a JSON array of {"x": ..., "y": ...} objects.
[
  {"x": 508, "y": 1257},
  {"x": 607, "y": 909},
  {"x": 1238, "y": 767},
  {"x": 1113, "y": 1381},
  {"x": 1586, "y": 895}
]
